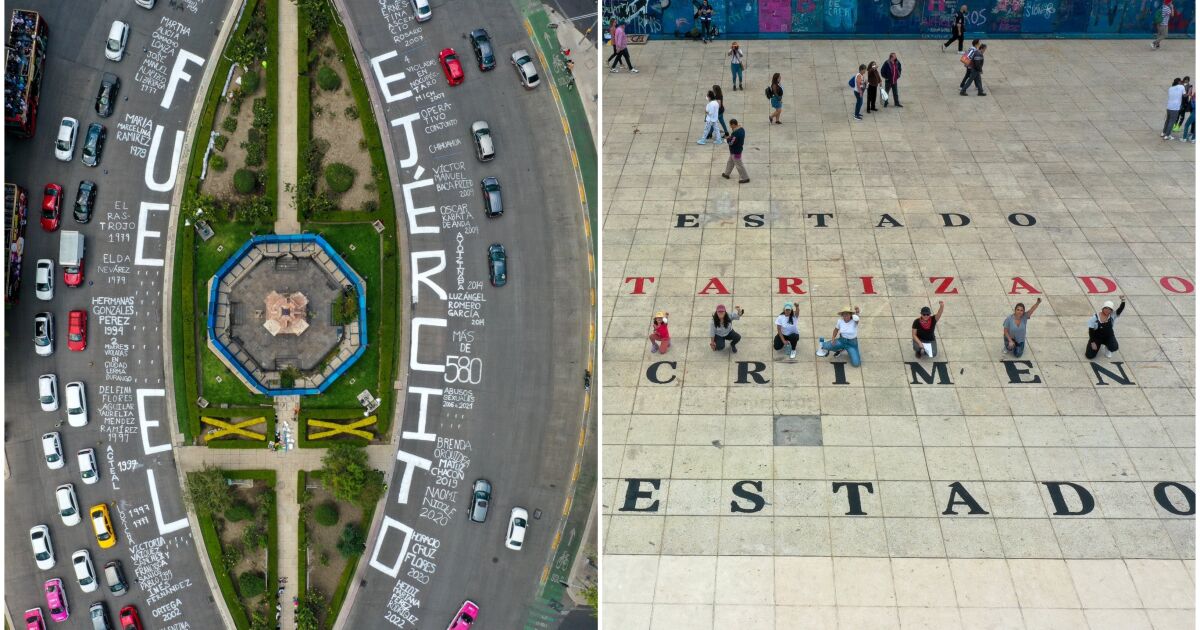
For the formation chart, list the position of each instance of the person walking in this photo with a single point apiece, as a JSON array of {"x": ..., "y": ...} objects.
[
  {"x": 711, "y": 115},
  {"x": 736, "y": 141},
  {"x": 976, "y": 73},
  {"x": 845, "y": 337},
  {"x": 787, "y": 332},
  {"x": 1174, "y": 103},
  {"x": 959, "y": 30},
  {"x": 706, "y": 15},
  {"x": 775, "y": 92},
  {"x": 737, "y": 65},
  {"x": 873, "y": 81},
  {"x": 891, "y": 78},
  {"x": 1014, "y": 328},
  {"x": 970, "y": 54},
  {"x": 660, "y": 336},
  {"x": 924, "y": 341},
  {"x": 716, "y": 89},
  {"x": 721, "y": 330},
  {"x": 1101, "y": 330},
  {"x": 612, "y": 39},
  {"x": 1162, "y": 24},
  {"x": 621, "y": 46},
  {"x": 859, "y": 84}
]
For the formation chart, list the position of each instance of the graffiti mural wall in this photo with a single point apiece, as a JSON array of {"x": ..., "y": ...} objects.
[{"x": 902, "y": 18}]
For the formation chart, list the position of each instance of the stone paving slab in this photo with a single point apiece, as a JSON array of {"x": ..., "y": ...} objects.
[{"x": 1049, "y": 491}]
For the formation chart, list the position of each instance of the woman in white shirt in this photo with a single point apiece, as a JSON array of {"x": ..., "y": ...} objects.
[
  {"x": 787, "y": 333},
  {"x": 845, "y": 337}
]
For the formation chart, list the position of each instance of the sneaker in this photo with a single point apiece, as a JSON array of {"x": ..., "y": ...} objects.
[
  {"x": 858, "y": 118},
  {"x": 821, "y": 352},
  {"x": 633, "y": 70},
  {"x": 837, "y": 353},
  {"x": 981, "y": 94},
  {"x": 733, "y": 348},
  {"x": 899, "y": 105},
  {"x": 1108, "y": 353},
  {"x": 1181, "y": 139},
  {"x": 792, "y": 355},
  {"x": 962, "y": 92},
  {"x": 653, "y": 349},
  {"x": 725, "y": 175},
  {"x": 1004, "y": 350},
  {"x": 699, "y": 142},
  {"x": 747, "y": 181},
  {"x": 1168, "y": 137},
  {"x": 614, "y": 70}
]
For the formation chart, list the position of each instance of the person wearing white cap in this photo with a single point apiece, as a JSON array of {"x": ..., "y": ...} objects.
[
  {"x": 721, "y": 329},
  {"x": 660, "y": 337},
  {"x": 1101, "y": 332},
  {"x": 845, "y": 337},
  {"x": 1014, "y": 328},
  {"x": 787, "y": 333}
]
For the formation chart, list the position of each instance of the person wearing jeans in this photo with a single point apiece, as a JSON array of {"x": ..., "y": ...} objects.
[
  {"x": 721, "y": 330},
  {"x": 1189, "y": 127},
  {"x": 1014, "y": 328},
  {"x": 845, "y": 337},
  {"x": 737, "y": 65},
  {"x": 736, "y": 140},
  {"x": 891, "y": 78},
  {"x": 860, "y": 84},
  {"x": 1101, "y": 331},
  {"x": 621, "y": 46},
  {"x": 711, "y": 115},
  {"x": 787, "y": 333},
  {"x": 1174, "y": 104},
  {"x": 923, "y": 331}
]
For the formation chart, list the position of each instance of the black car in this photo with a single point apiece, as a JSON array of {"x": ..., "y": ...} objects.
[
  {"x": 106, "y": 99},
  {"x": 482, "y": 45},
  {"x": 497, "y": 264},
  {"x": 493, "y": 206},
  {"x": 85, "y": 200},
  {"x": 93, "y": 144}
]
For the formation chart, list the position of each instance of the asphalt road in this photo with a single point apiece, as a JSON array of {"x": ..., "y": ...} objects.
[
  {"x": 122, "y": 365},
  {"x": 516, "y": 420}
]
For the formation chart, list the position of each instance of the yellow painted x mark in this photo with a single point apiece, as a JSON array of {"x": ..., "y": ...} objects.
[
  {"x": 224, "y": 427},
  {"x": 336, "y": 427}
]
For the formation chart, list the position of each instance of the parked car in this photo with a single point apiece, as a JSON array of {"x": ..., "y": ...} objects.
[
  {"x": 64, "y": 143},
  {"x": 497, "y": 265},
  {"x": 518, "y": 520},
  {"x": 48, "y": 392},
  {"x": 89, "y": 470},
  {"x": 106, "y": 536},
  {"x": 451, "y": 66},
  {"x": 34, "y": 619},
  {"x": 68, "y": 505},
  {"x": 77, "y": 414},
  {"x": 481, "y": 43},
  {"x": 114, "y": 575},
  {"x": 99, "y": 614},
  {"x": 85, "y": 201},
  {"x": 43, "y": 279},
  {"x": 485, "y": 149},
  {"x": 481, "y": 496},
  {"x": 51, "y": 206},
  {"x": 85, "y": 573},
  {"x": 145, "y": 4},
  {"x": 118, "y": 38},
  {"x": 93, "y": 144},
  {"x": 106, "y": 98},
  {"x": 421, "y": 10},
  {"x": 56, "y": 600},
  {"x": 43, "y": 334},
  {"x": 130, "y": 619},
  {"x": 77, "y": 331},
  {"x": 466, "y": 615},
  {"x": 52, "y": 450},
  {"x": 43, "y": 548},
  {"x": 493, "y": 205},
  {"x": 526, "y": 71}
]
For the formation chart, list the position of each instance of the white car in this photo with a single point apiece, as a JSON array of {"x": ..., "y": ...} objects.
[
  {"x": 64, "y": 146},
  {"x": 84, "y": 571},
  {"x": 43, "y": 280},
  {"x": 68, "y": 506},
  {"x": 518, "y": 520},
  {"x": 52, "y": 449},
  {"x": 485, "y": 147},
  {"x": 48, "y": 392},
  {"x": 525, "y": 69},
  {"x": 76, "y": 405},
  {"x": 118, "y": 38},
  {"x": 43, "y": 549},
  {"x": 43, "y": 334},
  {"x": 421, "y": 10},
  {"x": 88, "y": 469}
]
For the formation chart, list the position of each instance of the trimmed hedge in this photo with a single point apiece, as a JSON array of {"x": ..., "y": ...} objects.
[
  {"x": 339, "y": 177},
  {"x": 239, "y": 511},
  {"x": 245, "y": 181},
  {"x": 252, "y": 584},
  {"x": 250, "y": 82},
  {"x": 217, "y": 162},
  {"x": 328, "y": 79},
  {"x": 343, "y": 585},
  {"x": 326, "y": 514},
  {"x": 212, "y": 545}
]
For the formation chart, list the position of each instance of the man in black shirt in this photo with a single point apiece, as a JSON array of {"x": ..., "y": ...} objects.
[
  {"x": 736, "y": 140},
  {"x": 976, "y": 72},
  {"x": 922, "y": 331}
]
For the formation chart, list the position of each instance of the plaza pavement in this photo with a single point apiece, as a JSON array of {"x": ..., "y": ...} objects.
[{"x": 718, "y": 505}]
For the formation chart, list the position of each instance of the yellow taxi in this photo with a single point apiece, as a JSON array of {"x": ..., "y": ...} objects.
[{"x": 106, "y": 536}]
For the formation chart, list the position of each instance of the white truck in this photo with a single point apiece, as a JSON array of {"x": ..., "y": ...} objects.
[{"x": 70, "y": 257}]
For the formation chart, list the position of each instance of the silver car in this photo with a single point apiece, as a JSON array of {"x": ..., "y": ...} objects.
[
  {"x": 64, "y": 145},
  {"x": 481, "y": 496},
  {"x": 526, "y": 71},
  {"x": 115, "y": 577},
  {"x": 43, "y": 334},
  {"x": 485, "y": 147}
]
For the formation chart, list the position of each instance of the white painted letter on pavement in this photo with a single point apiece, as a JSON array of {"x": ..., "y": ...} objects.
[
  {"x": 388, "y": 97},
  {"x": 142, "y": 395},
  {"x": 390, "y": 523},
  {"x": 420, "y": 434},
  {"x": 423, "y": 276},
  {"x": 413, "y": 212},
  {"x": 413, "y": 363},
  {"x": 177, "y": 74},
  {"x": 150, "y": 161},
  {"x": 409, "y": 460},
  {"x": 164, "y": 527},
  {"x": 139, "y": 257}
]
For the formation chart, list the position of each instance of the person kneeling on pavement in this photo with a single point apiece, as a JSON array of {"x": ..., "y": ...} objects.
[
  {"x": 845, "y": 337},
  {"x": 923, "y": 339},
  {"x": 1101, "y": 331},
  {"x": 721, "y": 329}
]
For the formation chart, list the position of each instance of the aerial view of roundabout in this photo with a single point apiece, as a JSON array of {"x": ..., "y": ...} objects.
[{"x": 291, "y": 287}]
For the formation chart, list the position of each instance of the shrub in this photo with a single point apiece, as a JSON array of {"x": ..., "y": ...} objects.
[
  {"x": 255, "y": 536},
  {"x": 326, "y": 514},
  {"x": 239, "y": 511},
  {"x": 353, "y": 542},
  {"x": 340, "y": 177},
  {"x": 345, "y": 308},
  {"x": 252, "y": 584},
  {"x": 328, "y": 79},
  {"x": 231, "y": 555},
  {"x": 349, "y": 476},
  {"x": 208, "y": 491},
  {"x": 218, "y": 163},
  {"x": 229, "y": 124},
  {"x": 352, "y": 112},
  {"x": 250, "y": 82},
  {"x": 263, "y": 114},
  {"x": 245, "y": 181},
  {"x": 256, "y": 148},
  {"x": 256, "y": 211},
  {"x": 370, "y": 206},
  {"x": 220, "y": 142}
]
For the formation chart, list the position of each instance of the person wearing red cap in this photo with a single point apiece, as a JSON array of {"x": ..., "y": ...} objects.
[
  {"x": 1162, "y": 24},
  {"x": 721, "y": 329},
  {"x": 660, "y": 337}
]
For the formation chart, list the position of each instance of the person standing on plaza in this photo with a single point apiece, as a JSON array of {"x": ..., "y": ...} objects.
[
  {"x": 737, "y": 65},
  {"x": 1174, "y": 103},
  {"x": 1163, "y": 24},
  {"x": 873, "y": 81},
  {"x": 721, "y": 330},
  {"x": 716, "y": 89},
  {"x": 845, "y": 337},
  {"x": 660, "y": 336},
  {"x": 1014, "y": 328},
  {"x": 891, "y": 78},
  {"x": 775, "y": 92},
  {"x": 976, "y": 73},
  {"x": 924, "y": 341},
  {"x": 736, "y": 140},
  {"x": 706, "y": 15},
  {"x": 711, "y": 115},
  {"x": 787, "y": 332},
  {"x": 621, "y": 46},
  {"x": 1101, "y": 330},
  {"x": 859, "y": 84},
  {"x": 959, "y": 30},
  {"x": 1189, "y": 127},
  {"x": 970, "y": 54}
]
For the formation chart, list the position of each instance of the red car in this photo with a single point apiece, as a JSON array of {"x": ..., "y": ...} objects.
[
  {"x": 130, "y": 619},
  {"x": 451, "y": 66},
  {"x": 51, "y": 201},
  {"x": 466, "y": 615},
  {"x": 77, "y": 331}
]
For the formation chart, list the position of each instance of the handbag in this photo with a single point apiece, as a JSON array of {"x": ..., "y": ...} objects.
[{"x": 885, "y": 96}]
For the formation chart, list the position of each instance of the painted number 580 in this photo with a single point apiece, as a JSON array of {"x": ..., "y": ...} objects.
[{"x": 463, "y": 369}]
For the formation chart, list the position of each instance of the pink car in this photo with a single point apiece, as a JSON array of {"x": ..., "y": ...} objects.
[
  {"x": 466, "y": 615},
  {"x": 34, "y": 620},
  {"x": 56, "y": 600}
]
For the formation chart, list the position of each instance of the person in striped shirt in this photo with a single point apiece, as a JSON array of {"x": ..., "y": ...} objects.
[{"x": 1162, "y": 24}]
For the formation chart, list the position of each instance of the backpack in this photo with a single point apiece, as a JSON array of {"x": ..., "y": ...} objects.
[
  {"x": 852, "y": 86},
  {"x": 770, "y": 93}
]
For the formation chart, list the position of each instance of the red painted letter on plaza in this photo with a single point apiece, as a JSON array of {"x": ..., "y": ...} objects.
[
  {"x": 714, "y": 284},
  {"x": 944, "y": 287},
  {"x": 1020, "y": 285},
  {"x": 868, "y": 283},
  {"x": 790, "y": 286},
  {"x": 639, "y": 283},
  {"x": 1089, "y": 282},
  {"x": 1185, "y": 285}
]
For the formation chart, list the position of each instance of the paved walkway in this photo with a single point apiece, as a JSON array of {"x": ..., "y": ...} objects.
[
  {"x": 286, "y": 150},
  {"x": 583, "y": 52}
]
